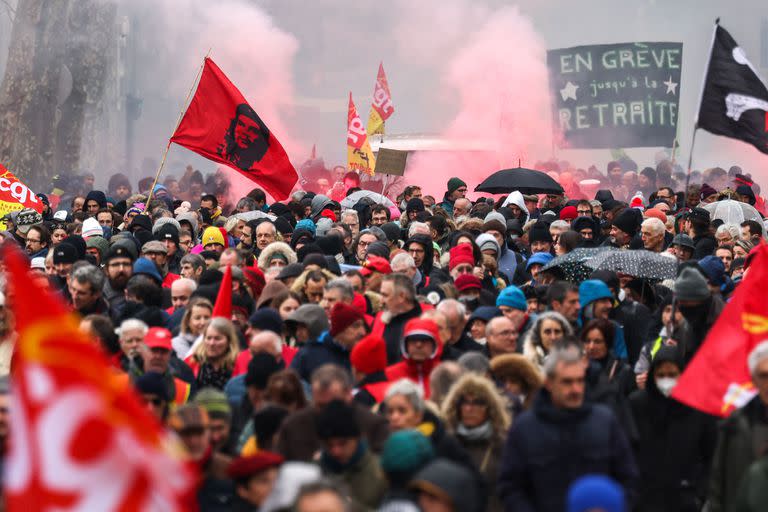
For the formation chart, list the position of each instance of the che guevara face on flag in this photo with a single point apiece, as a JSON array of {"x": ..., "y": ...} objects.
[{"x": 246, "y": 140}]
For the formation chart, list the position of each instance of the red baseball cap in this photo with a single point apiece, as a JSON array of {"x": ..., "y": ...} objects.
[
  {"x": 375, "y": 264},
  {"x": 158, "y": 337}
]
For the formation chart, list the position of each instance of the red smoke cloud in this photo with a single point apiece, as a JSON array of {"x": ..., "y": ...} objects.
[{"x": 499, "y": 79}]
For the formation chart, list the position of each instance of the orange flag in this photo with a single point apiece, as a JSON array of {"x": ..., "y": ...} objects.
[
  {"x": 381, "y": 107},
  {"x": 223, "y": 306},
  {"x": 80, "y": 439}
]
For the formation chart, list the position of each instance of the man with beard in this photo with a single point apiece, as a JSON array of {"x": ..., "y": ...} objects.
[
  {"x": 625, "y": 226},
  {"x": 699, "y": 308},
  {"x": 400, "y": 305},
  {"x": 118, "y": 265}
]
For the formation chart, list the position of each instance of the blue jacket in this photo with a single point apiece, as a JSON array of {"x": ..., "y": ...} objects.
[
  {"x": 316, "y": 353},
  {"x": 548, "y": 448}
]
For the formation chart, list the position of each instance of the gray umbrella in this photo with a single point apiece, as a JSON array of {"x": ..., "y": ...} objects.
[
  {"x": 636, "y": 263},
  {"x": 573, "y": 265},
  {"x": 351, "y": 200}
]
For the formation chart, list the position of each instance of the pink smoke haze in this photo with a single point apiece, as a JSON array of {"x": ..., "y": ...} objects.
[
  {"x": 499, "y": 81},
  {"x": 255, "y": 54}
]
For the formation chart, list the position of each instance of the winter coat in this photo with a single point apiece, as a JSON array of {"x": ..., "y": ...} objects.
[
  {"x": 485, "y": 453},
  {"x": 674, "y": 450},
  {"x": 548, "y": 448},
  {"x": 297, "y": 438},
  {"x": 392, "y": 331},
  {"x": 734, "y": 453},
  {"x": 703, "y": 245},
  {"x": 446, "y": 446},
  {"x": 753, "y": 491},
  {"x": 609, "y": 382},
  {"x": 636, "y": 319},
  {"x": 316, "y": 353},
  {"x": 363, "y": 477},
  {"x": 411, "y": 370},
  {"x": 691, "y": 334},
  {"x": 453, "y": 351}
]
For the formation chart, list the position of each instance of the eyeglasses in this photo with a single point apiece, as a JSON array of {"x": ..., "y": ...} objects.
[
  {"x": 584, "y": 213},
  {"x": 33, "y": 241}
]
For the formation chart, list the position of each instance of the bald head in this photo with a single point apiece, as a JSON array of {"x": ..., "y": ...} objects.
[
  {"x": 181, "y": 291},
  {"x": 267, "y": 342}
]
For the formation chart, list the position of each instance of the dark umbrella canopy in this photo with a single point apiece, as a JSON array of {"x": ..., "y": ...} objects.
[
  {"x": 573, "y": 265},
  {"x": 637, "y": 263},
  {"x": 527, "y": 181}
]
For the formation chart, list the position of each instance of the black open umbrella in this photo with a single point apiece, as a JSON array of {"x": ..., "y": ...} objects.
[{"x": 527, "y": 181}]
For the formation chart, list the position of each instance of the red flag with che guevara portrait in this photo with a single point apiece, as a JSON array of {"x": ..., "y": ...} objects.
[{"x": 221, "y": 126}]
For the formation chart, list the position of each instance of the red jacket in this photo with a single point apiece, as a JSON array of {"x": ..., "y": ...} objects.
[{"x": 417, "y": 372}]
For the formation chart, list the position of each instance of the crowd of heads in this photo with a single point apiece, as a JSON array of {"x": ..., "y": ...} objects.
[{"x": 360, "y": 335}]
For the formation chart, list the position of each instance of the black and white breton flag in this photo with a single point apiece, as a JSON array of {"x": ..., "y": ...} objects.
[{"x": 735, "y": 100}]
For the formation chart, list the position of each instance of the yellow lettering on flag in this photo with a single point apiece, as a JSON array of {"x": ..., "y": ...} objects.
[
  {"x": 359, "y": 154},
  {"x": 381, "y": 107},
  {"x": 754, "y": 324}
]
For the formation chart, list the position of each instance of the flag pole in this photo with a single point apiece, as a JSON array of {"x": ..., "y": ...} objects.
[
  {"x": 176, "y": 127},
  {"x": 698, "y": 109}
]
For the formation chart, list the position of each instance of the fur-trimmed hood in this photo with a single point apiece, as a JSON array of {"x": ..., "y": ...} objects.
[
  {"x": 479, "y": 387},
  {"x": 520, "y": 368},
  {"x": 274, "y": 248}
]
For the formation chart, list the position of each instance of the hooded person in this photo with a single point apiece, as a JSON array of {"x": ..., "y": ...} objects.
[
  {"x": 518, "y": 379},
  {"x": 423, "y": 252},
  {"x": 276, "y": 251},
  {"x": 476, "y": 414},
  {"x": 421, "y": 349},
  {"x": 516, "y": 199},
  {"x": 597, "y": 301},
  {"x": 589, "y": 229},
  {"x": 676, "y": 442},
  {"x": 699, "y": 308}
]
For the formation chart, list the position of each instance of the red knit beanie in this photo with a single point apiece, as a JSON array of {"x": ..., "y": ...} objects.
[
  {"x": 568, "y": 213},
  {"x": 328, "y": 214},
  {"x": 462, "y": 253},
  {"x": 369, "y": 355},
  {"x": 342, "y": 316}
]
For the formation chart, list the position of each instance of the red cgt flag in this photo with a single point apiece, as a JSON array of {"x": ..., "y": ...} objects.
[
  {"x": 221, "y": 126},
  {"x": 717, "y": 380},
  {"x": 80, "y": 439}
]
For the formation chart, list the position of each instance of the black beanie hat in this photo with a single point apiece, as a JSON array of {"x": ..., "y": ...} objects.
[
  {"x": 539, "y": 232},
  {"x": 261, "y": 367},
  {"x": 337, "y": 419},
  {"x": 628, "y": 220},
  {"x": 167, "y": 232}
]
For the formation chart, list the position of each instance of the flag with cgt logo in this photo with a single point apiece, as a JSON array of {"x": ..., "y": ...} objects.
[
  {"x": 80, "y": 438},
  {"x": 359, "y": 154},
  {"x": 717, "y": 380}
]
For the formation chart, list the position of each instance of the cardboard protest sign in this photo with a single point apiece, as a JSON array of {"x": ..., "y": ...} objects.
[
  {"x": 14, "y": 195},
  {"x": 391, "y": 161},
  {"x": 616, "y": 95}
]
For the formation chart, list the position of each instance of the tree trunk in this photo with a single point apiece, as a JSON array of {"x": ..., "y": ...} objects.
[{"x": 56, "y": 65}]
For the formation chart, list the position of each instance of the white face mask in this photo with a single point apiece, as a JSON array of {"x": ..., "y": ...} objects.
[{"x": 666, "y": 384}]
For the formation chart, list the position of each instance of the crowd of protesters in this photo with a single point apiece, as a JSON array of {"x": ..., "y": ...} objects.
[{"x": 418, "y": 356}]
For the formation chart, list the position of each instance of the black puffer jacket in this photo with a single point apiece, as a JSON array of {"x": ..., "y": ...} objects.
[{"x": 675, "y": 446}]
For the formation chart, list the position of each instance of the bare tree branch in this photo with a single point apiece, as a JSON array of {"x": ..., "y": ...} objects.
[{"x": 10, "y": 11}]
